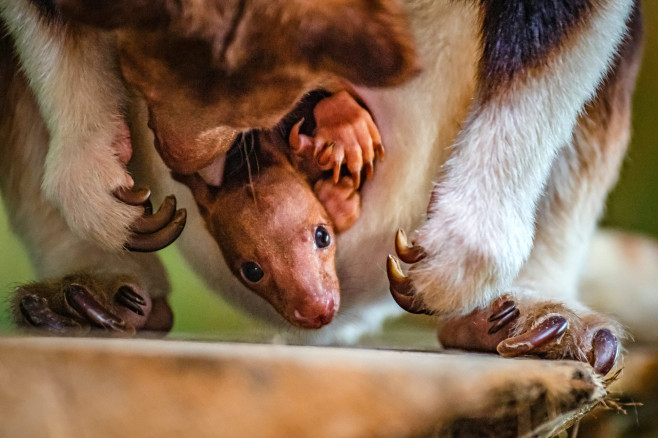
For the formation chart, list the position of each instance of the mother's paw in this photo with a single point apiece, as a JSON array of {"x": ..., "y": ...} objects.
[
  {"x": 521, "y": 327},
  {"x": 85, "y": 177},
  {"x": 448, "y": 272},
  {"x": 80, "y": 304},
  {"x": 152, "y": 231},
  {"x": 436, "y": 284}
]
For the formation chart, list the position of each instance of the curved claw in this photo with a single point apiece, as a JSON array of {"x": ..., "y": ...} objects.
[
  {"x": 78, "y": 297},
  {"x": 356, "y": 179},
  {"x": 503, "y": 309},
  {"x": 161, "y": 238},
  {"x": 337, "y": 166},
  {"x": 369, "y": 166},
  {"x": 36, "y": 312},
  {"x": 152, "y": 223},
  {"x": 132, "y": 196},
  {"x": 327, "y": 153},
  {"x": 148, "y": 208},
  {"x": 549, "y": 330},
  {"x": 506, "y": 312},
  {"x": 381, "y": 153},
  {"x": 604, "y": 351},
  {"x": 300, "y": 142},
  {"x": 130, "y": 299},
  {"x": 503, "y": 321},
  {"x": 408, "y": 254},
  {"x": 401, "y": 288}
]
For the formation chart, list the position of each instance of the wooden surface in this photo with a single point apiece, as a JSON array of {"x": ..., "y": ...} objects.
[{"x": 153, "y": 388}]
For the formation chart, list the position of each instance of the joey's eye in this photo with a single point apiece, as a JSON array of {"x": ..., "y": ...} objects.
[
  {"x": 252, "y": 272},
  {"x": 322, "y": 237}
]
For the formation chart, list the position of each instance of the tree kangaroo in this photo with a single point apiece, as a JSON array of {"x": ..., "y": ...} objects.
[{"x": 504, "y": 124}]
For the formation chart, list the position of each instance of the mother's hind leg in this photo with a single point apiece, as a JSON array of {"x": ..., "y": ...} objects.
[{"x": 541, "y": 314}]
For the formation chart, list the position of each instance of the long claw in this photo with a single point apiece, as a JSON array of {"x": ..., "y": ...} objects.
[
  {"x": 151, "y": 224},
  {"x": 369, "y": 166},
  {"x": 319, "y": 147},
  {"x": 148, "y": 208},
  {"x": 85, "y": 304},
  {"x": 161, "y": 238},
  {"x": 36, "y": 312},
  {"x": 504, "y": 308},
  {"x": 293, "y": 138},
  {"x": 549, "y": 330},
  {"x": 327, "y": 154},
  {"x": 408, "y": 254},
  {"x": 505, "y": 313},
  {"x": 604, "y": 351},
  {"x": 132, "y": 196},
  {"x": 356, "y": 180},
  {"x": 337, "y": 166},
  {"x": 401, "y": 288},
  {"x": 381, "y": 153},
  {"x": 503, "y": 320},
  {"x": 130, "y": 299}
]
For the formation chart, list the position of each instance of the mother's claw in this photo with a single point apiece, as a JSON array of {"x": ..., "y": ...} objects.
[
  {"x": 79, "y": 298},
  {"x": 152, "y": 232},
  {"x": 132, "y": 196},
  {"x": 408, "y": 254},
  {"x": 506, "y": 312},
  {"x": 549, "y": 330},
  {"x": 36, "y": 312},
  {"x": 161, "y": 238},
  {"x": 401, "y": 288},
  {"x": 151, "y": 223},
  {"x": 605, "y": 347}
]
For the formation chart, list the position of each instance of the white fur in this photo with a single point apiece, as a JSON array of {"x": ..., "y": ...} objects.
[
  {"x": 481, "y": 227},
  {"x": 54, "y": 250},
  {"x": 490, "y": 188},
  {"x": 75, "y": 78},
  {"x": 491, "y": 174}
]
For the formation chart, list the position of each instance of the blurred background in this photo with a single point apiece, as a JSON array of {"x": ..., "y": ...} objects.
[{"x": 632, "y": 206}]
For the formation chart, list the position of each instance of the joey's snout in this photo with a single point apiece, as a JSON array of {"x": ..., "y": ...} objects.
[{"x": 314, "y": 313}]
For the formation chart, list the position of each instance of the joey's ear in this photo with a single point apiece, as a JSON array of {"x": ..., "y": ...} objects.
[
  {"x": 367, "y": 42},
  {"x": 115, "y": 14}
]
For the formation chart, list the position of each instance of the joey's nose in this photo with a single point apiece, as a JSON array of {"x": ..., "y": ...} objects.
[{"x": 315, "y": 315}]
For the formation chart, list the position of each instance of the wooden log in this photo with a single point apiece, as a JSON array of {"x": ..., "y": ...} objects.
[{"x": 53, "y": 387}]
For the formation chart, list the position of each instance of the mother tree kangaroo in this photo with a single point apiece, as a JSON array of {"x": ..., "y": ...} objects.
[{"x": 513, "y": 133}]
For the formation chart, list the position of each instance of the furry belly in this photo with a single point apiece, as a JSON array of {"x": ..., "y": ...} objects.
[{"x": 418, "y": 122}]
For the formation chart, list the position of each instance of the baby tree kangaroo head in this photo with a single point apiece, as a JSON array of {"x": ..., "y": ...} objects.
[{"x": 274, "y": 234}]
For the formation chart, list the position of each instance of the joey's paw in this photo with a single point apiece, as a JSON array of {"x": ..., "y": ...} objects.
[
  {"x": 345, "y": 134},
  {"x": 83, "y": 304},
  {"x": 152, "y": 231},
  {"x": 342, "y": 201},
  {"x": 549, "y": 330}
]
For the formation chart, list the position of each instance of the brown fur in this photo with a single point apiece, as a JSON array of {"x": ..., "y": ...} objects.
[
  {"x": 582, "y": 175},
  {"x": 516, "y": 199},
  {"x": 232, "y": 75},
  {"x": 268, "y": 214}
]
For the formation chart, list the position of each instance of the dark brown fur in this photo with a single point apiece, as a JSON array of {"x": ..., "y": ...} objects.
[{"x": 230, "y": 72}]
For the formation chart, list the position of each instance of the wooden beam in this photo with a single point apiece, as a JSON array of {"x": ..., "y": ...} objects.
[{"x": 52, "y": 387}]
